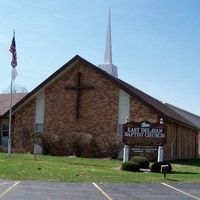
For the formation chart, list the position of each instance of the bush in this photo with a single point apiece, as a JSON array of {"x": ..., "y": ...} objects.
[
  {"x": 66, "y": 144},
  {"x": 109, "y": 145},
  {"x": 142, "y": 161},
  {"x": 3, "y": 149},
  {"x": 51, "y": 144},
  {"x": 156, "y": 167},
  {"x": 130, "y": 166},
  {"x": 79, "y": 142}
]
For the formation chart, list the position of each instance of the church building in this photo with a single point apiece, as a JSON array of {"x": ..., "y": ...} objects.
[{"x": 83, "y": 98}]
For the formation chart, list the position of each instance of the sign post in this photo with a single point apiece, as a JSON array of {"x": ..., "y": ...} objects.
[
  {"x": 160, "y": 154},
  {"x": 126, "y": 148},
  {"x": 160, "y": 148},
  {"x": 126, "y": 153}
]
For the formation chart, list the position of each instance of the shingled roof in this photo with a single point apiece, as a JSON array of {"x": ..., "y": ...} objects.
[
  {"x": 5, "y": 101},
  {"x": 195, "y": 119},
  {"x": 158, "y": 105},
  {"x": 155, "y": 104}
]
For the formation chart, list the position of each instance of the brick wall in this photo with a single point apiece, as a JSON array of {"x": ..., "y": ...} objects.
[
  {"x": 98, "y": 113},
  {"x": 141, "y": 112},
  {"x": 24, "y": 126},
  {"x": 98, "y": 106}
]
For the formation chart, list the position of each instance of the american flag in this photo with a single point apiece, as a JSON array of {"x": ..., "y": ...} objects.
[
  {"x": 14, "y": 58},
  {"x": 14, "y": 53}
]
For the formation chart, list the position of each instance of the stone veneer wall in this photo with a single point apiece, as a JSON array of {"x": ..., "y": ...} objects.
[
  {"x": 98, "y": 106},
  {"x": 24, "y": 126}
]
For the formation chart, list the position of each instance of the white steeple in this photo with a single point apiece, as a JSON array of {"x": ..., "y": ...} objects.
[
  {"x": 108, "y": 66},
  {"x": 108, "y": 49}
]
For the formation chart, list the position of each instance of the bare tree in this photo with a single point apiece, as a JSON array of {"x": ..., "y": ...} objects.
[{"x": 16, "y": 89}]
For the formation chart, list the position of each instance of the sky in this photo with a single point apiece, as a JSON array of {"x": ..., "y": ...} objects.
[{"x": 155, "y": 43}]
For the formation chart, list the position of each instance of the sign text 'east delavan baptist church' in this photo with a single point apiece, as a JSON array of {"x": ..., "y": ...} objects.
[{"x": 144, "y": 134}]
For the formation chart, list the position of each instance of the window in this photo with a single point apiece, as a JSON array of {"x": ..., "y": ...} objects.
[
  {"x": 5, "y": 129},
  {"x": 39, "y": 128}
]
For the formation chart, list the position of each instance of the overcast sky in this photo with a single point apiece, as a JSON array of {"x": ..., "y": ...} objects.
[{"x": 156, "y": 43}]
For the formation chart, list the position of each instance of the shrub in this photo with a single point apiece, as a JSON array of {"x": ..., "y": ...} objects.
[
  {"x": 156, "y": 167},
  {"x": 142, "y": 161},
  {"x": 19, "y": 149},
  {"x": 50, "y": 143},
  {"x": 78, "y": 142},
  {"x": 3, "y": 149},
  {"x": 109, "y": 145},
  {"x": 130, "y": 166},
  {"x": 66, "y": 144}
]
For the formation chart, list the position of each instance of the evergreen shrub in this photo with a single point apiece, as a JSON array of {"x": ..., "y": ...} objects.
[
  {"x": 130, "y": 166},
  {"x": 156, "y": 167},
  {"x": 142, "y": 161}
]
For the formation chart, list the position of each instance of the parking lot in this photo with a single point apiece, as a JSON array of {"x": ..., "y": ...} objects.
[{"x": 32, "y": 190}]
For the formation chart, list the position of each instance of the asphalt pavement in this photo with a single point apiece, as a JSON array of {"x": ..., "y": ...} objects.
[{"x": 32, "y": 190}]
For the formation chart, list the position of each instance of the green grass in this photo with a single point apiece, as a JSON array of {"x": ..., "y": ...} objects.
[{"x": 71, "y": 169}]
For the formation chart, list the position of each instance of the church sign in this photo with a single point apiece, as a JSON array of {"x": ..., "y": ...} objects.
[
  {"x": 144, "y": 149},
  {"x": 144, "y": 134}
]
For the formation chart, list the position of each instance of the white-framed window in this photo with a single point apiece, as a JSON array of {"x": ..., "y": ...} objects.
[{"x": 39, "y": 128}]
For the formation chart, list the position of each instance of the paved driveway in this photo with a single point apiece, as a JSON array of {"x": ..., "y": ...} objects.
[{"x": 32, "y": 190}]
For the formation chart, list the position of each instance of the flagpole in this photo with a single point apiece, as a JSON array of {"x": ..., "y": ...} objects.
[
  {"x": 13, "y": 76},
  {"x": 10, "y": 119}
]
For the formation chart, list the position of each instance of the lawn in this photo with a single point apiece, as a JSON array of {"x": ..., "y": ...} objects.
[{"x": 71, "y": 169}]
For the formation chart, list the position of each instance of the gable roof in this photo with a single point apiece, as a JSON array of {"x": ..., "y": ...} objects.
[
  {"x": 132, "y": 91},
  {"x": 5, "y": 101},
  {"x": 157, "y": 105},
  {"x": 195, "y": 119}
]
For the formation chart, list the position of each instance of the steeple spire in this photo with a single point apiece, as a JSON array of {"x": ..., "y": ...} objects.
[
  {"x": 108, "y": 66},
  {"x": 108, "y": 49}
]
